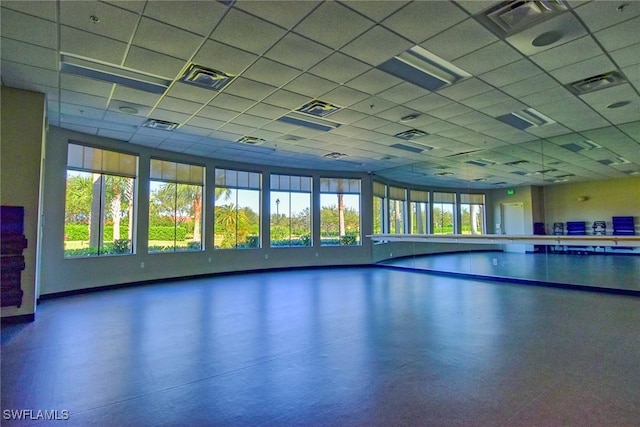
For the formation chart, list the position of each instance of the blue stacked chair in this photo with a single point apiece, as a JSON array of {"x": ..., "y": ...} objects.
[
  {"x": 623, "y": 226},
  {"x": 577, "y": 228}
]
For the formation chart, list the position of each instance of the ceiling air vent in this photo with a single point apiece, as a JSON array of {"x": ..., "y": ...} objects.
[
  {"x": 585, "y": 145},
  {"x": 334, "y": 155},
  {"x": 423, "y": 68},
  {"x": 564, "y": 176},
  {"x": 510, "y": 17},
  {"x": 478, "y": 180},
  {"x": 500, "y": 183},
  {"x": 160, "y": 124},
  {"x": 411, "y": 134},
  {"x": 614, "y": 162},
  {"x": 251, "y": 140},
  {"x": 599, "y": 82},
  {"x": 443, "y": 174},
  {"x": 517, "y": 162},
  {"x": 525, "y": 119},
  {"x": 481, "y": 162},
  {"x": 318, "y": 108},
  {"x": 407, "y": 148},
  {"x": 207, "y": 78},
  {"x": 302, "y": 119}
]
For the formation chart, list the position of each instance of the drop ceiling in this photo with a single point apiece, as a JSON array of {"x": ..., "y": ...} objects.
[{"x": 510, "y": 119}]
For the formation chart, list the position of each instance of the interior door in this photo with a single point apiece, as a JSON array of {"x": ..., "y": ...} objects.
[{"x": 513, "y": 223}]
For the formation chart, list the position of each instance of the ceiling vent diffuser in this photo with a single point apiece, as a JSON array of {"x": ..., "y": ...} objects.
[
  {"x": 525, "y": 119},
  {"x": 251, "y": 140},
  {"x": 160, "y": 124},
  {"x": 334, "y": 155},
  {"x": 411, "y": 134},
  {"x": 443, "y": 174},
  {"x": 585, "y": 145},
  {"x": 481, "y": 162},
  {"x": 312, "y": 115},
  {"x": 517, "y": 162},
  {"x": 318, "y": 108},
  {"x": 510, "y": 17},
  {"x": 207, "y": 78},
  {"x": 599, "y": 82},
  {"x": 424, "y": 69}
]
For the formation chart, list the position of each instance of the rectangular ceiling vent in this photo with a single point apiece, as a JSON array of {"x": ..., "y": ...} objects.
[
  {"x": 500, "y": 183},
  {"x": 443, "y": 174},
  {"x": 301, "y": 119},
  {"x": 411, "y": 134},
  {"x": 614, "y": 162},
  {"x": 525, "y": 119},
  {"x": 207, "y": 78},
  {"x": 567, "y": 175},
  {"x": 424, "y": 69},
  {"x": 318, "y": 108},
  {"x": 585, "y": 145},
  {"x": 517, "y": 163},
  {"x": 133, "y": 79},
  {"x": 478, "y": 179},
  {"x": 251, "y": 140},
  {"x": 599, "y": 82},
  {"x": 521, "y": 173},
  {"x": 510, "y": 17},
  {"x": 408, "y": 148},
  {"x": 160, "y": 124},
  {"x": 481, "y": 162}
]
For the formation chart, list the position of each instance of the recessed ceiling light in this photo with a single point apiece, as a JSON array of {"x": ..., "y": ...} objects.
[
  {"x": 619, "y": 104},
  {"x": 545, "y": 39},
  {"x": 128, "y": 110},
  {"x": 160, "y": 124},
  {"x": 94, "y": 19},
  {"x": 409, "y": 118}
]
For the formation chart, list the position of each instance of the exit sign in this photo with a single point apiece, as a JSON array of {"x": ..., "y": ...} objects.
[{"x": 511, "y": 192}]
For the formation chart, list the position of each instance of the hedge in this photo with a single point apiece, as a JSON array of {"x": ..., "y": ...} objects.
[{"x": 81, "y": 232}]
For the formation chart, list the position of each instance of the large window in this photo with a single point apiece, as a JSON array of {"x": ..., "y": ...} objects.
[
  {"x": 379, "y": 202},
  {"x": 397, "y": 210},
  {"x": 444, "y": 208},
  {"x": 237, "y": 209},
  {"x": 419, "y": 211},
  {"x": 339, "y": 212},
  {"x": 290, "y": 222},
  {"x": 175, "y": 206},
  {"x": 472, "y": 213},
  {"x": 99, "y": 202}
]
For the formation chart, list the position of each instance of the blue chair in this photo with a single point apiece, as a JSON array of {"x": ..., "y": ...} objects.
[
  {"x": 577, "y": 228},
  {"x": 623, "y": 226}
]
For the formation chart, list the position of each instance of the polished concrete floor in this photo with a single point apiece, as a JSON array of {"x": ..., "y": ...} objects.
[
  {"x": 338, "y": 347},
  {"x": 593, "y": 270}
]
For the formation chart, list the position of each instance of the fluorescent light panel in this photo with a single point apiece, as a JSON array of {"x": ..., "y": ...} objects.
[
  {"x": 525, "y": 119},
  {"x": 421, "y": 67},
  {"x": 112, "y": 74},
  {"x": 300, "y": 119}
]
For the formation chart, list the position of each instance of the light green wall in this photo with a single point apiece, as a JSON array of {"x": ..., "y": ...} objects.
[
  {"x": 603, "y": 200},
  {"x": 21, "y": 158}
]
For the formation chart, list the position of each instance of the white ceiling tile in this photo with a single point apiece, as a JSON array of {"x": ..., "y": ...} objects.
[
  {"x": 134, "y": 96},
  {"x": 80, "y": 111},
  {"x": 339, "y": 68},
  {"x": 488, "y": 58},
  {"x": 403, "y": 92},
  {"x": 530, "y": 85},
  {"x": 114, "y": 134},
  {"x": 26, "y": 28},
  {"x": 250, "y": 121},
  {"x": 459, "y": 40},
  {"x": 310, "y": 85},
  {"x": 584, "y": 69},
  {"x": 170, "y": 116},
  {"x": 546, "y": 96},
  {"x": 217, "y": 113},
  {"x": 41, "y": 9},
  {"x": 258, "y": 40},
  {"x": 84, "y": 85},
  {"x": 465, "y": 89},
  {"x": 632, "y": 72},
  {"x": 621, "y": 35},
  {"x": 372, "y": 105},
  {"x": 286, "y": 99},
  {"x": 223, "y": 57},
  {"x": 298, "y": 52},
  {"x": 374, "y": 9},
  {"x": 371, "y": 122},
  {"x": 190, "y": 92},
  {"x": 333, "y": 25},
  {"x": 179, "y": 105},
  {"x": 271, "y": 72},
  {"x": 598, "y": 15},
  {"x": 29, "y": 54},
  {"x": 114, "y": 23},
  {"x": 568, "y": 53},
  {"x": 486, "y": 99},
  {"x": 514, "y": 72},
  {"x": 564, "y": 24},
  {"x": 91, "y": 46},
  {"x": 344, "y": 96},
  {"x": 285, "y": 13},
  {"x": 420, "y": 20},
  {"x": 205, "y": 123},
  {"x": 27, "y": 73},
  {"x": 199, "y": 17},
  {"x": 164, "y": 38},
  {"x": 373, "y": 81},
  {"x": 629, "y": 55},
  {"x": 428, "y": 103},
  {"x": 450, "y": 110},
  {"x": 126, "y": 119},
  {"x": 231, "y": 102},
  {"x": 387, "y": 45},
  {"x": 346, "y": 116},
  {"x": 153, "y": 62},
  {"x": 249, "y": 88}
]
